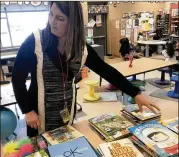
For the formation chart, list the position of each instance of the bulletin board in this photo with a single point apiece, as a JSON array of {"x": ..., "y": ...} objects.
[{"x": 134, "y": 22}]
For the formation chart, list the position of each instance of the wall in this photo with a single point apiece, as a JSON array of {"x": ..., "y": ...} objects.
[
  {"x": 85, "y": 12},
  {"x": 115, "y": 13}
]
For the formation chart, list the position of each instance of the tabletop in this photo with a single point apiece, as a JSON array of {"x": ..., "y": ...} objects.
[
  {"x": 141, "y": 65},
  {"x": 152, "y": 42}
]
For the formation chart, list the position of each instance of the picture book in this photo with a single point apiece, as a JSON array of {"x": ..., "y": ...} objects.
[
  {"x": 120, "y": 148},
  {"x": 74, "y": 148},
  {"x": 146, "y": 114},
  {"x": 135, "y": 120},
  {"x": 172, "y": 124},
  {"x": 143, "y": 147},
  {"x": 40, "y": 153},
  {"x": 111, "y": 125},
  {"x": 61, "y": 134},
  {"x": 157, "y": 137}
]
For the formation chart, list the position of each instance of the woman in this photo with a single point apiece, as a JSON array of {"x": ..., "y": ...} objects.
[{"x": 54, "y": 57}]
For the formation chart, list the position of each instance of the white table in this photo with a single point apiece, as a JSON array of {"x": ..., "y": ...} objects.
[{"x": 150, "y": 42}]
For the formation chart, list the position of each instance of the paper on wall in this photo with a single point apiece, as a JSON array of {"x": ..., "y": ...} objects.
[
  {"x": 123, "y": 24},
  {"x": 98, "y": 21},
  {"x": 123, "y": 32},
  {"x": 135, "y": 34},
  {"x": 90, "y": 32},
  {"x": 151, "y": 21},
  {"x": 128, "y": 32},
  {"x": 91, "y": 23},
  {"x": 117, "y": 24}
]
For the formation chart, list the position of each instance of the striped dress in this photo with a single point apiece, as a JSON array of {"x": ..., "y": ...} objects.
[{"x": 50, "y": 88}]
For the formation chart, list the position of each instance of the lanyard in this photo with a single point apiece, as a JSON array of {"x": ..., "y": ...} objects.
[{"x": 64, "y": 77}]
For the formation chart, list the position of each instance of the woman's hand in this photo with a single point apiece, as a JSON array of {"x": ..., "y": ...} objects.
[
  {"x": 32, "y": 119},
  {"x": 141, "y": 100}
]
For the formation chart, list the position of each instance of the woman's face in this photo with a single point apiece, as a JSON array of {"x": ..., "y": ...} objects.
[{"x": 58, "y": 21}]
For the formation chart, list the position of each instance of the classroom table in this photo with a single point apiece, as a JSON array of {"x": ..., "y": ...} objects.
[
  {"x": 142, "y": 65},
  {"x": 150, "y": 42}
]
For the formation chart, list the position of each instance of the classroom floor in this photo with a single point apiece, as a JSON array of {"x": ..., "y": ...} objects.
[{"x": 169, "y": 108}]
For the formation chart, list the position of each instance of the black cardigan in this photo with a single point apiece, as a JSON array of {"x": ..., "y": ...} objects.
[{"x": 26, "y": 63}]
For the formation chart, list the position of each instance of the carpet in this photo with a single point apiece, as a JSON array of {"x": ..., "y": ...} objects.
[
  {"x": 162, "y": 94},
  {"x": 152, "y": 82}
]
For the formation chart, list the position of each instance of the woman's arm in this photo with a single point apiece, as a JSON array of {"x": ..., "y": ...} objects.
[
  {"x": 109, "y": 73},
  {"x": 22, "y": 67}
]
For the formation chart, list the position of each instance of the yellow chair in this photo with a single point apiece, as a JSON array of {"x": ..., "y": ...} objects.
[{"x": 91, "y": 95}]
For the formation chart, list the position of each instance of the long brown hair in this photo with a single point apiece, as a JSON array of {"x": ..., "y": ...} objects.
[{"x": 75, "y": 37}]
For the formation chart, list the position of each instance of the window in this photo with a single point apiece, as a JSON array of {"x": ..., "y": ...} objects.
[
  {"x": 23, "y": 24},
  {"x": 22, "y": 27},
  {"x": 5, "y": 37}
]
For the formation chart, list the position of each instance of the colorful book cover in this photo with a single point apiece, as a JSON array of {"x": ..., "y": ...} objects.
[
  {"x": 157, "y": 137},
  {"x": 75, "y": 148},
  {"x": 40, "y": 153},
  {"x": 146, "y": 114},
  {"x": 172, "y": 124},
  {"x": 141, "y": 145},
  {"x": 62, "y": 134},
  {"x": 120, "y": 148},
  {"x": 113, "y": 126}
]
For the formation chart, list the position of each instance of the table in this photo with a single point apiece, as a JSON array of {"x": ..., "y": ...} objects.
[
  {"x": 5, "y": 57},
  {"x": 141, "y": 65},
  {"x": 150, "y": 42}
]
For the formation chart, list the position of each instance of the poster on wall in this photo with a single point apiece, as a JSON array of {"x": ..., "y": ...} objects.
[
  {"x": 129, "y": 23},
  {"x": 123, "y": 32},
  {"x": 135, "y": 34},
  {"x": 123, "y": 24},
  {"x": 91, "y": 23},
  {"x": 117, "y": 24},
  {"x": 128, "y": 32},
  {"x": 98, "y": 21}
]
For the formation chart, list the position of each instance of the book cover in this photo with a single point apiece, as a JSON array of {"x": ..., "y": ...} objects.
[
  {"x": 141, "y": 145},
  {"x": 75, "y": 148},
  {"x": 40, "y": 153},
  {"x": 172, "y": 124},
  {"x": 157, "y": 137},
  {"x": 146, "y": 114},
  {"x": 62, "y": 134},
  {"x": 113, "y": 126},
  {"x": 120, "y": 148}
]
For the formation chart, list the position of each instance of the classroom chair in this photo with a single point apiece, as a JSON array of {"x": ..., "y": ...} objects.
[
  {"x": 162, "y": 80},
  {"x": 174, "y": 93}
]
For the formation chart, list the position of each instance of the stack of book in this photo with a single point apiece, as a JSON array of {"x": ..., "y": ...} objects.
[
  {"x": 110, "y": 127},
  {"x": 120, "y": 148},
  {"x": 79, "y": 147},
  {"x": 132, "y": 113},
  {"x": 172, "y": 124},
  {"x": 156, "y": 139}
]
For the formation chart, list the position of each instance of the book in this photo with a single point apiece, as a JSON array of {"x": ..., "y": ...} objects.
[
  {"x": 135, "y": 120},
  {"x": 141, "y": 145},
  {"x": 77, "y": 148},
  {"x": 157, "y": 137},
  {"x": 172, "y": 124},
  {"x": 62, "y": 134},
  {"x": 120, "y": 148},
  {"x": 111, "y": 126},
  {"x": 146, "y": 114},
  {"x": 40, "y": 153}
]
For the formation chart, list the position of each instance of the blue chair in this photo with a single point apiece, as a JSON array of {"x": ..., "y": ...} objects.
[
  {"x": 162, "y": 80},
  {"x": 174, "y": 93}
]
